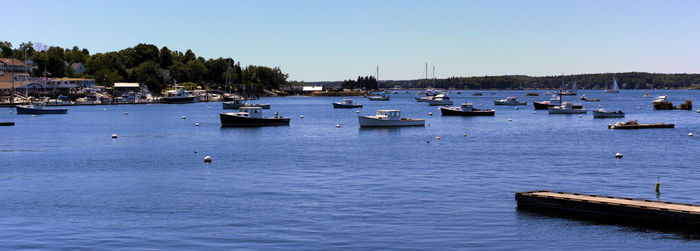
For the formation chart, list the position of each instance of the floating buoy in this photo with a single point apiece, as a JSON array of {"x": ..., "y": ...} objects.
[
  {"x": 208, "y": 107},
  {"x": 638, "y": 108},
  {"x": 337, "y": 126},
  {"x": 618, "y": 155},
  {"x": 183, "y": 117},
  {"x": 33, "y": 115},
  {"x": 509, "y": 120},
  {"x": 465, "y": 135},
  {"x": 195, "y": 151},
  {"x": 10, "y": 111},
  {"x": 657, "y": 186},
  {"x": 104, "y": 109},
  {"x": 207, "y": 159},
  {"x": 516, "y": 108},
  {"x": 430, "y": 113},
  {"x": 114, "y": 136},
  {"x": 438, "y": 137},
  {"x": 535, "y": 112},
  {"x": 126, "y": 113},
  {"x": 580, "y": 116},
  {"x": 196, "y": 124},
  {"x": 690, "y": 134},
  {"x": 302, "y": 116},
  {"x": 428, "y": 142}
]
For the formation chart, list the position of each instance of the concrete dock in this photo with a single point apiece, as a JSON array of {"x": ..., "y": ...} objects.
[{"x": 637, "y": 211}]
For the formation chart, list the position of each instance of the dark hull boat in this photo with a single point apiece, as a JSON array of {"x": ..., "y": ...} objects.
[
  {"x": 251, "y": 116},
  {"x": 457, "y": 111},
  {"x": 7, "y": 123},
  {"x": 21, "y": 109},
  {"x": 236, "y": 120},
  {"x": 545, "y": 105},
  {"x": 178, "y": 100},
  {"x": 341, "y": 105}
]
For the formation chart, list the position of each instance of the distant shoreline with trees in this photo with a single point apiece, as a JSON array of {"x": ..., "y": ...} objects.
[{"x": 626, "y": 80}]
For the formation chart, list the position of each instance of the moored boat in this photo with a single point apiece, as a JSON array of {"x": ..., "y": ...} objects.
[
  {"x": 7, "y": 123},
  {"x": 35, "y": 109},
  {"x": 584, "y": 98},
  {"x": 178, "y": 96},
  {"x": 466, "y": 109},
  {"x": 509, "y": 101},
  {"x": 440, "y": 100},
  {"x": 346, "y": 103},
  {"x": 233, "y": 104},
  {"x": 662, "y": 103},
  {"x": 388, "y": 118},
  {"x": 383, "y": 97},
  {"x": 251, "y": 116},
  {"x": 633, "y": 124},
  {"x": 566, "y": 108},
  {"x": 602, "y": 113},
  {"x": 263, "y": 106}
]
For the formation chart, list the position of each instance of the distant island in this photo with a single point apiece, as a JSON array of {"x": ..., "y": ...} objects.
[{"x": 626, "y": 80}]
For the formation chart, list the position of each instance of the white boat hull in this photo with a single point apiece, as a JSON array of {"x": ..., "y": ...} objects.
[
  {"x": 555, "y": 110},
  {"x": 374, "y": 122}
]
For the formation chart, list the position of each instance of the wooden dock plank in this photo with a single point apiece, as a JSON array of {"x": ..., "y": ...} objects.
[{"x": 660, "y": 205}]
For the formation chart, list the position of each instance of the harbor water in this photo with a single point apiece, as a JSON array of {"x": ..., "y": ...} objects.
[{"x": 65, "y": 183}]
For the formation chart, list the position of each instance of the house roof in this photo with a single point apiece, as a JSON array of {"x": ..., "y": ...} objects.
[
  {"x": 11, "y": 61},
  {"x": 76, "y": 65},
  {"x": 126, "y": 85}
]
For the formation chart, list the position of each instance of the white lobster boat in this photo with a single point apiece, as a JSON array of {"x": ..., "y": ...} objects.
[{"x": 388, "y": 118}]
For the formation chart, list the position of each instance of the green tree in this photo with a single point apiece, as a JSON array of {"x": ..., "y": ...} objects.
[
  {"x": 148, "y": 73},
  {"x": 166, "y": 57}
]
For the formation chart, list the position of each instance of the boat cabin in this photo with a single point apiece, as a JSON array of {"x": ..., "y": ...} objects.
[
  {"x": 389, "y": 114},
  {"x": 467, "y": 107},
  {"x": 251, "y": 112}
]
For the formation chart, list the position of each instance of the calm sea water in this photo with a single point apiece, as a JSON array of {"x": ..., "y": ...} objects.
[{"x": 65, "y": 183}]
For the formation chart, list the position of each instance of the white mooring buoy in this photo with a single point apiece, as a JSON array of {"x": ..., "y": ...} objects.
[
  {"x": 337, "y": 126},
  {"x": 196, "y": 124},
  {"x": 580, "y": 116},
  {"x": 430, "y": 113},
  {"x": 114, "y": 136},
  {"x": 195, "y": 151},
  {"x": 207, "y": 159},
  {"x": 534, "y": 112},
  {"x": 302, "y": 116},
  {"x": 516, "y": 108},
  {"x": 183, "y": 117},
  {"x": 126, "y": 113},
  {"x": 509, "y": 120},
  {"x": 690, "y": 134},
  {"x": 618, "y": 155}
]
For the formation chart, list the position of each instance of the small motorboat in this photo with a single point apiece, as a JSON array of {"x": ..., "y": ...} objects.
[
  {"x": 346, "y": 103},
  {"x": 509, "y": 101},
  {"x": 554, "y": 101},
  {"x": 383, "y": 97},
  {"x": 662, "y": 103},
  {"x": 466, "y": 109},
  {"x": 178, "y": 96},
  {"x": 602, "y": 113},
  {"x": 633, "y": 124},
  {"x": 566, "y": 108},
  {"x": 388, "y": 118},
  {"x": 584, "y": 98},
  {"x": 36, "y": 109},
  {"x": 233, "y": 104},
  {"x": 440, "y": 100},
  {"x": 251, "y": 116}
]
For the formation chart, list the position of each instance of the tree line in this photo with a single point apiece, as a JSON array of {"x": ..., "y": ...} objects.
[
  {"x": 147, "y": 64},
  {"x": 364, "y": 83},
  {"x": 626, "y": 80}
]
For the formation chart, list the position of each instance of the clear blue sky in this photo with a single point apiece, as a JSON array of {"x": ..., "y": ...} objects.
[{"x": 335, "y": 40}]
